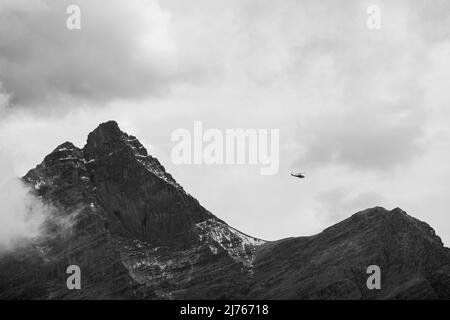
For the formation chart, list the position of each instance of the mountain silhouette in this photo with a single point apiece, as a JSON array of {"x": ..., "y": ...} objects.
[{"x": 136, "y": 233}]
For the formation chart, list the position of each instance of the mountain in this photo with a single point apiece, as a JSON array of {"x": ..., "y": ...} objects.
[{"x": 136, "y": 233}]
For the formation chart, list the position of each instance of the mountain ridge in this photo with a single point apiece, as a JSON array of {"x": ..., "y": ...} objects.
[{"x": 137, "y": 234}]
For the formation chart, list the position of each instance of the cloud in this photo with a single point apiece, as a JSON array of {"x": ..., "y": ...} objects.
[
  {"x": 24, "y": 218},
  {"x": 366, "y": 100},
  {"x": 4, "y": 102},
  {"x": 123, "y": 50},
  {"x": 339, "y": 203},
  {"x": 21, "y": 214},
  {"x": 360, "y": 111},
  {"x": 376, "y": 137}
]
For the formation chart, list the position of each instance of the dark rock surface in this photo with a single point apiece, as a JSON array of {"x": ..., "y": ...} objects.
[
  {"x": 136, "y": 234},
  {"x": 333, "y": 264}
]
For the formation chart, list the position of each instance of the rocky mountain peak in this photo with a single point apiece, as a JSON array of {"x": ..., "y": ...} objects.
[
  {"x": 66, "y": 146},
  {"x": 106, "y": 131},
  {"x": 64, "y": 153},
  {"x": 135, "y": 233},
  {"x": 105, "y": 139}
]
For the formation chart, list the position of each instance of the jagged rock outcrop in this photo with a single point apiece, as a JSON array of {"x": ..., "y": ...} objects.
[{"x": 136, "y": 234}]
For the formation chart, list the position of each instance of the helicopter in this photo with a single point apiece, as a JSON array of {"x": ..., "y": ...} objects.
[{"x": 298, "y": 175}]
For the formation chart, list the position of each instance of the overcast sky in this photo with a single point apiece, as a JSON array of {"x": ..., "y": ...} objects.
[{"x": 364, "y": 112}]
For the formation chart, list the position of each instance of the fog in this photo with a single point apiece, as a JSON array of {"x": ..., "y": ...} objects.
[{"x": 22, "y": 215}]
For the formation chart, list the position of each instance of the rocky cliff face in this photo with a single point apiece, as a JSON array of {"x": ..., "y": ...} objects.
[
  {"x": 136, "y": 234},
  {"x": 333, "y": 264}
]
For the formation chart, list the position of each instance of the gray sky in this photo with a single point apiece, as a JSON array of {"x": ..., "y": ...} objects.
[{"x": 364, "y": 112}]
